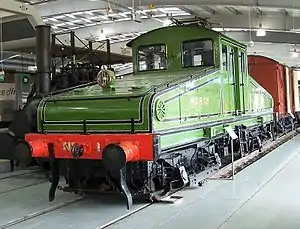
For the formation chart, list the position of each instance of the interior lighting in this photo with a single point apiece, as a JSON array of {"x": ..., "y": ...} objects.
[
  {"x": 167, "y": 22},
  {"x": 123, "y": 19},
  {"x": 159, "y": 15},
  {"x": 260, "y": 32},
  {"x": 87, "y": 20},
  {"x": 60, "y": 24},
  {"x": 52, "y": 19},
  {"x": 181, "y": 14},
  {"x": 70, "y": 15},
  {"x": 89, "y": 13},
  {"x": 91, "y": 24},
  {"x": 93, "y": 18},
  {"x": 59, "y": 17},
  {"x": 123, "y": 14},
  {"x": 76, "y": 21},
  {"x": 295, "y": 54},
  {"x": 102, "y": 36},
  {"x": 78, "y": 13},
  {"x": 169, "y": 10},
  {"x": 104, "y": 17}
]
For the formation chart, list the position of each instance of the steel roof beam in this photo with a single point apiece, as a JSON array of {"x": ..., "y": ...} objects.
[
  {"x": 287, "y": 4},
  {"x": 208, "y": 9},
  {"x": 271, "y": 37},
  {"x": 188, "y": 10},
  {"x": 63, "y": 7},
  {"x": 233, "y": 10},
  {"x": 277, "y": 23},
  {"x": 18, "y": 8},
  {"x": 258, "y": 11},
  {"x": 284, "y": 12}
]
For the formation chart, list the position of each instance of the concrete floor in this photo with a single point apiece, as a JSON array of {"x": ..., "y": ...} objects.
[
  {"x": 4, "y": 166},
  {"x": 263, "y": 196}
]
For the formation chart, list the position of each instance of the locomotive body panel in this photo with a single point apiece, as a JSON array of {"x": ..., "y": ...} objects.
[{"x": 98, "y": 114}]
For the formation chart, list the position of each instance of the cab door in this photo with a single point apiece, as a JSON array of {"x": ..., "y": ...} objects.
[
  {"x": 242, "y": 81},
  {"x": 228, "y": 69}
]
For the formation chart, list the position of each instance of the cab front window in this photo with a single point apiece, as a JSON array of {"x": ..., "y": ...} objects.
[{"x": 151, "y": 57}]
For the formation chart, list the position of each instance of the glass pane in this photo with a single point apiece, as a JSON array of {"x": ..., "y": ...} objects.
[
  {"x": 152, "y": 57},
  {"x": 232, "y": 63},
  {"x": 198, "y": 53},
  {"x": 224, "y": 57},
  {"x": 243, "y": 67}
]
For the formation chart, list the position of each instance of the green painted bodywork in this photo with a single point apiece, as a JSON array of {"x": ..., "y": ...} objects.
[{"x": 181, "y": 105}]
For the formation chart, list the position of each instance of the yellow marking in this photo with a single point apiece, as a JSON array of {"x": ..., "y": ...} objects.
[
  {"x": 201, "y": 101},
  {"x": 67, "y": 146}
]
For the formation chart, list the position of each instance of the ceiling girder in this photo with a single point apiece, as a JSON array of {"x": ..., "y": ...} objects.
[
  {"x": 233, "y": 10},
  {"x": 258, "y": 11},
  {"x": 19, "y": 8},
  {"x": 209, "y": 9}
]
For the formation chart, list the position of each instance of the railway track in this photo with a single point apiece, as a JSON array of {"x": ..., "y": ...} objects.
[
  {"x": 28, "y": 202},
  {"x": 20, "y": 180},
  {"x": 40, "y": 213},
  {"x": 19, "y": 173},
  {"x": 69, "y": 209}
]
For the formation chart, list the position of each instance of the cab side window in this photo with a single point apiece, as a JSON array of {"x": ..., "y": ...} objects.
[
  {"x": 224, "y": 57},
  {"x": 197, "y": 53},
  {"x": 152, "y": 57},
  {"x": 242, "y": 62},
  {"x": 232, "y": 62}
]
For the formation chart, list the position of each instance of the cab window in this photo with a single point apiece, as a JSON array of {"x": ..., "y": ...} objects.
[
  {"x": 197, "y": 53},
  {"x": 242, "y": 62},
  {"x": 224, "y": 57},
  {"x": 151, "y": 57}
]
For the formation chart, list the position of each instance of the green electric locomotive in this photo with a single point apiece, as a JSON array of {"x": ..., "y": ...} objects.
[{"x": 161, "y": 128}]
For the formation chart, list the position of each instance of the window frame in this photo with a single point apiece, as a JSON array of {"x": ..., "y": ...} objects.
[
  {"x": 195, "y": 40},
  {"x": 151, "y": 45},
  {"x": 243, "y": 62},
  {"x": 232, "y": 64},
  {"x": 226, "y": 67}
]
